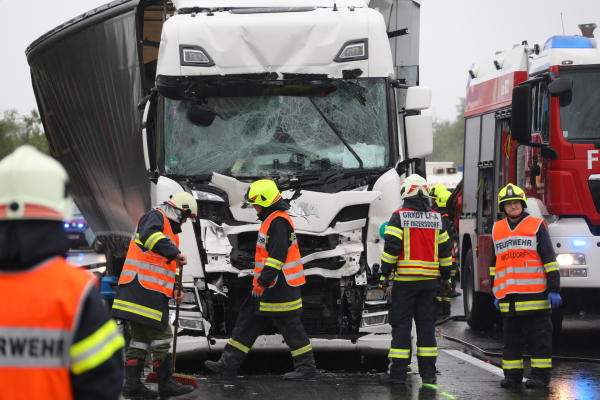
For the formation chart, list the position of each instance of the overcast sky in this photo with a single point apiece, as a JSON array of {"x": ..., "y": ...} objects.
[{"x": 453, "y": 35}]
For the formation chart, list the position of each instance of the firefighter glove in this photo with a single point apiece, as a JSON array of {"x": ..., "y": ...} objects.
[{"x": 555, "y": 299}]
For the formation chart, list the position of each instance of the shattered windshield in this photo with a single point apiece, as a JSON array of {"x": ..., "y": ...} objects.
[{"x": 344, "y": 127}]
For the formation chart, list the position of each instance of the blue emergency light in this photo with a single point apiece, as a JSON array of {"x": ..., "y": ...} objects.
[{"x": 569, "y": 42}]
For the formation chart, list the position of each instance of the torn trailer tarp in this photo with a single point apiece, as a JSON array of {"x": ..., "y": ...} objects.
[{"x": 87, "y": 80}]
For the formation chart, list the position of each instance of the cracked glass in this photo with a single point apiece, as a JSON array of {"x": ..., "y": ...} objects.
[{"x": 337, "y": 129}]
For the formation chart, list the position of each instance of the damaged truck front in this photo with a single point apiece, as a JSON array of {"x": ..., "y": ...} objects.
[{"x": 305, "y": 92}]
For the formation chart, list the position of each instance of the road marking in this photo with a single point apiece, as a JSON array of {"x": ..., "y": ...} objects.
[{"x": 477, "y": 362}]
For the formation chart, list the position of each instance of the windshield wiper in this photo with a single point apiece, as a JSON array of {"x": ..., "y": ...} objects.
[{"x": 337, "y": 133}]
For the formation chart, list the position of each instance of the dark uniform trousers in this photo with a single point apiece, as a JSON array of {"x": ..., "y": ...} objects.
[
  {"x": 250, "y": 325},
  {"x": 144, "y": 339},
  {"x": 413, "y": 300},
  {"x": 534, "y": 331}
]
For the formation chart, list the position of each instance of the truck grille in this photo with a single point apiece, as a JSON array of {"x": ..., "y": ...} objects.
[{"x": 595, "y": 191}]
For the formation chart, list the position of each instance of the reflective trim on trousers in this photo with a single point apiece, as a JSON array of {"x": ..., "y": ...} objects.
[
  {"x": 427, "y": 351},
  {"x": 541, "y": 363},
  {"x": 512, "y": 364},
  {"x": 138, "y": 309},
  {"x": 280, "y": 307},
  {"x": 399, "y": 353},
  {"x": 241, "y": 347},
  {"x": 301, "y": 350},
  {"x": 35, "y": 347}
]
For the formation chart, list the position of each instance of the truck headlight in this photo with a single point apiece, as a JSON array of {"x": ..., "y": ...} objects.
[
  {"x": 194, "y": 56},
  {"x": 353, "y": 50},
  {"x": 567, "y": 259}
]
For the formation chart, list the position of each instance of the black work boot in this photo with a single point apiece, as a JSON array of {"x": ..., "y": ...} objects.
[
  {"x": 540, "y": 378},
  {"x": 304, "y": 368},
  {"x": 134, "y": 388},
  {"x": 396, "y": 374},
  {"x": 219, "y": 367},
  {"x": 228, "y": 364},
  {"x": 512, "y": 379},
  {"x": 167, "y": 386}
]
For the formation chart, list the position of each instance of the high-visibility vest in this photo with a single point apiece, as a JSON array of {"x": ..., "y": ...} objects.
[
  {"x": 154, "y": 272},
  {"x": 519, "y": 268},
  {"x": 293, "y": 268},
  {"x": 39, "y": 312},
  {"x": 420, "y": 232}
]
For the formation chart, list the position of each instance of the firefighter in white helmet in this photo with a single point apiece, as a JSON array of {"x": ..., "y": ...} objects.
[
  {"x": 70, "y": 348},
  {"x": 418, "y": 251},
  {"x": 145, "y": 286}
]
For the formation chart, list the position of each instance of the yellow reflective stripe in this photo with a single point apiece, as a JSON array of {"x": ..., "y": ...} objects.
[
  {"x": 137, "y": 309},
  {"x": 388, "y": 258},
  {"x": 504, "y": 307},
  {"x": 273, "y": 263},
  {"x": 301, "y": 350},
  {"x": 412, "y": 278},
  {"x": 153, "y": 239},
  {"x": 238, "y": 345},
  {"x": 399, "y": 353},
  {"x": 417, "y": 271},
  {"x": 512, "y": 364},
  {"x": 406, "y": 243},
  {"x": 541, "y": 363},
  {"x": 137, "y": 239},
  {"x": 443, "y": 238},
  {"x": 412, "y": 263},
  {"x": 95, "y": 349},
  {"x": 532, "y": 305},
  {"x": 446, "y": 261},
  {"x": 427, "y": 351},
  {"x": 435, "y": 248},
  {"x": 280, "y": 307},
  {"x": 551, "y": 266},
  {"x": 393, "y": 231},
  {"x": 492, "y": 270}
]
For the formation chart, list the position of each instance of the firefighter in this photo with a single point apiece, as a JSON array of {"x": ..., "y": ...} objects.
[
  {"x": 63, "y": 344},
  {"x": 418, "y": 250},
  {"x": 440, "y": 195},
  {"x": 526, "y": 281},
  {"x": 145, "y": 286},
  {"x": 275, "y": 296}
]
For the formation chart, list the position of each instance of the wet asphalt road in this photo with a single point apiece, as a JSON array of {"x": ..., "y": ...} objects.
[{"x": 463, "y": 372}]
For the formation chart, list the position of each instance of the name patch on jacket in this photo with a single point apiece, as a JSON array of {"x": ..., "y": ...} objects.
[
  {"x": 516, "y": 243},
  {"x": 34, "y": 347},
  {"x": 420, "y": 219}
]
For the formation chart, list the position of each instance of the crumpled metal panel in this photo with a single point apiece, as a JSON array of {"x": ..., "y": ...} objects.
[{"x": 87, "y": 80}]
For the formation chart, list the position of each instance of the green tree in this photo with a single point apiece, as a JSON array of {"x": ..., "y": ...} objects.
[
  {"x": 448, "y": 138},
  {"x": 16, "y": 130}
]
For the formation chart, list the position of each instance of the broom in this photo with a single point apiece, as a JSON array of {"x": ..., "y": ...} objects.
[{"x": 181, "y": 378}]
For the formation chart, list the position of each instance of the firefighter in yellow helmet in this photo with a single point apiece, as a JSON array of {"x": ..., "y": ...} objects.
[
  {"x": 145, "y": 286},
  {"x": 418, "y": 250},
  {"x": 440, "y": 196},
  {"x": 275, "y": 295},
  {"x": 525, "y": 281},
  {"x": 69, "y": 347}
]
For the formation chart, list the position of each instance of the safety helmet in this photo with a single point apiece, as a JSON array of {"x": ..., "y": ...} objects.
[
  {"x": 414, "y": 185},
  {"x": 436, "y": 189},
  {"x": 511, "y": 192},
  {"x": 33, "y": 187},
  {"x": 184, "y": 202},
  {"x": 442, "y": 198},
  {"x": 263, "y": 192}
]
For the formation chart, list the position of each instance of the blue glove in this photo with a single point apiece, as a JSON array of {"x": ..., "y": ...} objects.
[
  {"x": 555, "y": 299},
  {"x": 497, "y": 304}
]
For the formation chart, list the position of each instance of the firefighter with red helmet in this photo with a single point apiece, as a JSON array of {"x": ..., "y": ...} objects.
[
  {"x": 418, "y": 251},
  {"x": 526, "y": 282}
]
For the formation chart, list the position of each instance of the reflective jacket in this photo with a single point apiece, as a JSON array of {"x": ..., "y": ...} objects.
[
  {"x": 39, "y": 317},
  {"x": 291, "y": 268},
  {"x": 417, "y": 246},
  {"x": 523, "y": 268},
  {"x": 147, "y": 280}
]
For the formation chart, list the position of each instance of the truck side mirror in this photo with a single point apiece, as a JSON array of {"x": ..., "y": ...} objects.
[
  {"x": 563, "y": 88},
  {"x": 419, "y": 135},
  {"x": 520, "y": 125},
  {"x": 418, "y": 98}
]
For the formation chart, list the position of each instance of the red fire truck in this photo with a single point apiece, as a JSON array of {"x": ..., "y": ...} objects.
[{"x": 533, "y": 118}]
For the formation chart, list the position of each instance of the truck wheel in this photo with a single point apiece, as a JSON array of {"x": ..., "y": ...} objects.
[{"x": 479, "y": 307}]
